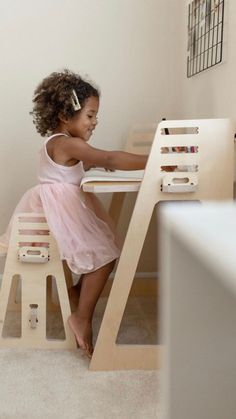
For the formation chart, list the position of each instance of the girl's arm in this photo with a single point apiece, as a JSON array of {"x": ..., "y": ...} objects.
[{"x": 78, "y": 149}]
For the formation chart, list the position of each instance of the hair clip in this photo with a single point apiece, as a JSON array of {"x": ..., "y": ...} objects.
[{"x": 75, "y": 101}]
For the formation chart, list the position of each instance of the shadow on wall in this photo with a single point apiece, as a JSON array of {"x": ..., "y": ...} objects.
[{"x": 200, "y": 96}]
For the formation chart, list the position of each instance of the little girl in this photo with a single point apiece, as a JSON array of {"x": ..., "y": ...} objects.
[{"x": 65, "y": 108}]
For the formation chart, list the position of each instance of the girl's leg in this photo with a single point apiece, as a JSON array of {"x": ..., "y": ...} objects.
[
  {"x": 74, "y": 293},
  {"x": 81, "y": 320}
]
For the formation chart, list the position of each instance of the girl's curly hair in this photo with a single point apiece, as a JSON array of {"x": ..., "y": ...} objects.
[{"x": 53, "y": 97}]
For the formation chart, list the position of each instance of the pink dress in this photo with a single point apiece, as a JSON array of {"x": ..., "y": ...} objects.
[{"x": 82, "y": 228}]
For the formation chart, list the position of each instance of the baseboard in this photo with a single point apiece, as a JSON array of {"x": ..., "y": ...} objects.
[
  {"x": 143, "y": 286},
  {"x": 141, "y": 275}
]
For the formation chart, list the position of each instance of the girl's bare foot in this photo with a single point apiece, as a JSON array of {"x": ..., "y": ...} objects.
[{"x": 82, "y": 330}]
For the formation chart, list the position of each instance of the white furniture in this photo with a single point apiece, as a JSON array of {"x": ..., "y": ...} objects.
[
  {"x": 111, "y": 187},
  {"x": 211, "y": 142},
  {"x": 198, "y": 316},
  {"x": 32, "y": 260}
]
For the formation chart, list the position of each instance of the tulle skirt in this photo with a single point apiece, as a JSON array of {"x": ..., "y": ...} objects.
[{"x": 83, "y": 230}]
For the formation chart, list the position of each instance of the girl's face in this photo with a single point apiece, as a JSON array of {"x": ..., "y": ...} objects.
[{"x": 84, "y": 122}]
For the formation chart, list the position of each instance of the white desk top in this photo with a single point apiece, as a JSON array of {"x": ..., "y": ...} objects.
[
  {"x": 109, "y": 187},
  {"x": 208, "y": 230}
]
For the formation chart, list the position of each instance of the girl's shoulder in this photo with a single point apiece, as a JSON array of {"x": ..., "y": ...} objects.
[{"x": 57, "y": 148}]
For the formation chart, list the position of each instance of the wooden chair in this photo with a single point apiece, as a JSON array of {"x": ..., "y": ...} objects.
[
  {"x": 207, "y": 174},
  {"x": 33, "y": 257}
]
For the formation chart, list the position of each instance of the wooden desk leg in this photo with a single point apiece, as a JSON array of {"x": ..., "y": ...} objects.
[
  {"x": 107, "y": 354},
  {"x": 116, "y": 206}
]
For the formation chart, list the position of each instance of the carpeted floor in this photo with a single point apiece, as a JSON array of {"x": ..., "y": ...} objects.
[{"x": 57, "y": 384}]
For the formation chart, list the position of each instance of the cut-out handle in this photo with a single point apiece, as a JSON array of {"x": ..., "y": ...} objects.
[
  {"x": 179, "y": 149},
  {"x": 179, "y": 184},
  {"x": 178, "y": 180},
  {"x": 179, "y": 130},
  {"x": 33, "y": 254},
  {"x": 180, "y": 168},
  {"x": 33, "y": 232}
]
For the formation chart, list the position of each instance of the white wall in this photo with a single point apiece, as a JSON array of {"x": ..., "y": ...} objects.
[
  {"x": 120, "y": 44},
  {"x": 212, "y": 93}
]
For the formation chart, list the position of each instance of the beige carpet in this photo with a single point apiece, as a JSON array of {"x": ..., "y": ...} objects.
[{"x": 57, "y": 384}]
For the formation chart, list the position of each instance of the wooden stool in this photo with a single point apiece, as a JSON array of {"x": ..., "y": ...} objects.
[{"x": 33, "y": 256}]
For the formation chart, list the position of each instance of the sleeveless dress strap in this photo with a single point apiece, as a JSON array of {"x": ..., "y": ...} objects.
[{"x": 55, "y": 135}]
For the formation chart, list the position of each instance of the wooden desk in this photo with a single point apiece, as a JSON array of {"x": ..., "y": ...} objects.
[
  {"x": 117, "y": 198},
  {"x": 110, "y": 187},
  {"x": 206, "y": 135}
]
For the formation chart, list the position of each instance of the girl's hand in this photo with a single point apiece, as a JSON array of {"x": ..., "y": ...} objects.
[{"x": 88, "y": 166}]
